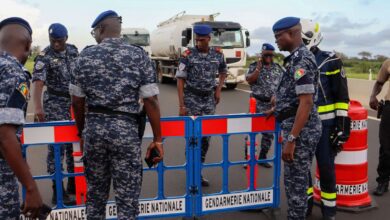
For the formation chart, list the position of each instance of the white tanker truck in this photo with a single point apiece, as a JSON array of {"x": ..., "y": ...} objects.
[
  {"x": 137, "y": 36},
  {"x": 173, "y": 36}
]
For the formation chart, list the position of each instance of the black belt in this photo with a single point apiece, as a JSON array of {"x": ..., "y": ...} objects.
[
  {"x": 261, "y": 98},
  {"x": 286, "y": 113},
  {"x": 198, "y": 92},
  {"x": 108, "y": 111},
  {"x": 57, "y": 93}
]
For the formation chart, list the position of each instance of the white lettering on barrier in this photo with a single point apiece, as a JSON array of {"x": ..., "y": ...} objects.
[
  {"x": 146, "y": 208},
  {"x": 348, "y": 190},
  {"x": 237, "y": 200},
  {"x": 359, "y": 125}
]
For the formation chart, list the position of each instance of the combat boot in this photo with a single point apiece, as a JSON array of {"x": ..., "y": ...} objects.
[
  {"x": 65, "y": 197},
  {"x": 381, "y": 189},
  {"x": 204, "y": 182},
  {"x": 263, "y": 155},
  {"x": 71, "y": 186}
]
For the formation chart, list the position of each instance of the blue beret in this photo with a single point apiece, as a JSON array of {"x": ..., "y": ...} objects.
[
  {"x": 16, "y": 20},
  {"x": 102, "y": 16},
  {"x": 267, "y": 46},
  {"x": 202, "y": 29},
  {"x": 285, "y": 23},
  {"x": 57, "y": 31}
]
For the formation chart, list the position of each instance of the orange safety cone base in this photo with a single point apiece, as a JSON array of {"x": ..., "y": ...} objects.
[{"x": 357, "y": 206}]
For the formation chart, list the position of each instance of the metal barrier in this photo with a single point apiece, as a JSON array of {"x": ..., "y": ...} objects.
[
  {"x": 251, "y": 198},
  {"x": 193, "y": 202}
]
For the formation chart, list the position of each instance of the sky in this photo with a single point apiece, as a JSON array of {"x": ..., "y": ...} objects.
[{"x": 348, "y": 26}]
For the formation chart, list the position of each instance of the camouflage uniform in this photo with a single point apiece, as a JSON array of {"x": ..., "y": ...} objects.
[
  {"x": 262, "y": 91},
  {"x": 113, "y": 75},
  {"x": 14, "y": 92},
  {"x": 54, "y": 69},
  {"x": 301, "y": 77},
  {"x": 199, "y": 71}
]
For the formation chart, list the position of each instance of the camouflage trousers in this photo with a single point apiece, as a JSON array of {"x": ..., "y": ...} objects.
[
  {"x": 197, "y": 106},
  {"x": 9, "y": 193},
  {"x": 58, "y": 109},
  {"x": 266, "y": 138},
  {"x": 296, "y": 180},
  {"x": 112, "y": 151}
]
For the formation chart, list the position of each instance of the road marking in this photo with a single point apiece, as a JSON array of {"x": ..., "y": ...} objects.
[
  {"x": 243, "y": 90},
  {"x": 248, "y": 91}
]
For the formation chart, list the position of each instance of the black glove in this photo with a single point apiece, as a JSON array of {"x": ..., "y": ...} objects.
[{"x": 341, "y": 133}]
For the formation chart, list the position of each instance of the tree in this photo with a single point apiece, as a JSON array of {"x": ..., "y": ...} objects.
[
  {"x": 365, "y": 55},
  {"x": 35, "y": 50},
  {"x": 380, "y": 58}
]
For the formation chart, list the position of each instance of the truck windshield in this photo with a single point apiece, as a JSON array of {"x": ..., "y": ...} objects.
[
  {"x": 140, "y": 39},
  {"x": 227, "y": 39}
]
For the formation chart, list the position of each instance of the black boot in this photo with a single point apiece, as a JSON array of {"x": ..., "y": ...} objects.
[
  {"x": 204, "y": 181},
  {"x": 263, "y": 155},
  {"x": 65, "y": 197},
  {"x": 381, "y": 189},
  {"x": 71, "y": 186}
]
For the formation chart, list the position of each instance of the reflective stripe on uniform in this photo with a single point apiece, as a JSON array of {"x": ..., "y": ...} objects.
[
  {"x": 309, "y": 191},
  {"x": 328, "y": 196},
  {"x": 325, "y": 108},
  {"x": 332, "y": 72},
  {"x": 327, "y": 116},
  {"x": 328, "y": 203},
  {"x": 341, "y": 105},
  {"x": 342, "y": 113}
]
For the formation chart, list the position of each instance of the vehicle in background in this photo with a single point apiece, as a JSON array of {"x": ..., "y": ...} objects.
[
  {"x": 173, "y": 36},
  {"x": 137, "y": 36}
]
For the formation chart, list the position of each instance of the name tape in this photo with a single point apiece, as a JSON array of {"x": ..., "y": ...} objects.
[
  {"x": 146, "y": 208},
  {"x": 359, "y": 125},
  {"x": 348, "y": 190},
  {"x": 237, "y": 200}
]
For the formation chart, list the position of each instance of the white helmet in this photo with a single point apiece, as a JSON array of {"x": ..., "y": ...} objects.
[{"x": 311, "y": 34}]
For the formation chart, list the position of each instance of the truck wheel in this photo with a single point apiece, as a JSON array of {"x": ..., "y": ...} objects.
[{"x": 231, "y": 86}]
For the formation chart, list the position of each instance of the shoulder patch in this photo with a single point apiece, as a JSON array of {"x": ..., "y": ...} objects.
[
  {"x": 39, "y": 65},
  {"x": 299, "y": 73},
  {"x": 23, "y": 89},
  {"x": 186, "y": 53}
]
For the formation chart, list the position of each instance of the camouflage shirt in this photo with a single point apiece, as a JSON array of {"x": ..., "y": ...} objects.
[
  {"x": 300, "y": 77},
  {"x": 114, "y": 74},
  {"x": 14, "y": 90},
  {"x": 54, "y": 68},
  {"x": 201, "y": 69},
  {"x": 267, "y": 82}
]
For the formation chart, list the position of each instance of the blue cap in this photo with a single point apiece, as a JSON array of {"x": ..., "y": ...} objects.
[
  {"x": 102, "y": 16},
  {"x": 16, "y": 20},
  {"x": 285, "y": 23},
  {"x": 267, "y": 46},
  {"x": 58, "y": 31},
  {"x": 202, "y": 29}
]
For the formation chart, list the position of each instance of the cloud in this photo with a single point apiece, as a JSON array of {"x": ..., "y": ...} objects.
[{"x": 29, "y": 12}]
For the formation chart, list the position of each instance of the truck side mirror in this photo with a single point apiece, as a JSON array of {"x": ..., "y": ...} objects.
[
  {"x": 248, "y": 41},
  {"x": 186, "y": 37}
]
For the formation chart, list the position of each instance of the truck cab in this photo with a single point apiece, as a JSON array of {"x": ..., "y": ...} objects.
[{"x": 137, "y": 36}]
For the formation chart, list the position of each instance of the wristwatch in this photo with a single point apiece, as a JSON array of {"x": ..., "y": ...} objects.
[{"x": 291, "y": 138}]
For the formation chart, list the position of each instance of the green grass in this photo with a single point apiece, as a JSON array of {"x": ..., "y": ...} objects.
[
  {"x": 29, "y": 65},
  {"x": 360, "y": 76}
]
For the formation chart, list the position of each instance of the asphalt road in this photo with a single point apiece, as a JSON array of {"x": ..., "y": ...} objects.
[{"x": 233, "y": 101}]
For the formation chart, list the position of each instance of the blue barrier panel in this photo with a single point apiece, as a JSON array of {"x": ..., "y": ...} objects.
[
  {"x": 253, "y": 197},
  {"x": 57, "y": 133}
]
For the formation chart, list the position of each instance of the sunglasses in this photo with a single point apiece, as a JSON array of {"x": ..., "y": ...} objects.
[{"x": 268, "y": 55}]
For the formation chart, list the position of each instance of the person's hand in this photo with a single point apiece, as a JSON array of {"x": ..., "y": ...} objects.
[
  {"x": 159, "y": 147},
  {"x": 182, "y": 111},
  {"x": 288, "y": 152},
  {"x": 269, "y": 113},
  {"x": 39, "y": 116},
  {"x": 374, "y": 103},
  {"x": 259, "y": 65},
  {"x": 217, "y": 96},
  {"x": 33, "y": 203},
  {"x": 273, "y": 101}
]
